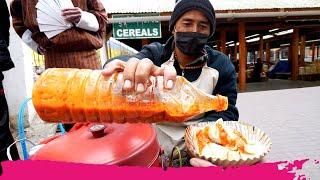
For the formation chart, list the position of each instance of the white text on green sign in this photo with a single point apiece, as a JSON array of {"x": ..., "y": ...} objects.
[{"x": 137, "y": 30}]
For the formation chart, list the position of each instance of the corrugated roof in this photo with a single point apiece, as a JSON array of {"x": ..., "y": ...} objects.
[
  {"x": 138, "y": 6},
  {"x": 142, "y": 6},
  {"x": 264, "y": 4}
]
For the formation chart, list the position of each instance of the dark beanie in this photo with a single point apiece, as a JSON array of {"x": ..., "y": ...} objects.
[{"x": 186, "y": 5}]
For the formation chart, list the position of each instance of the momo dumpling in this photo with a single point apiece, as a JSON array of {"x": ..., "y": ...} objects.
[{"x": 215, "y": 151}]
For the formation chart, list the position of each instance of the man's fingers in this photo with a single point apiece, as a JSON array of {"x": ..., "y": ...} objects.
[
  {"x": 136, "y": 74},
  {"x": 113, "y": 66},
  {"x": 169, "y": 74},
  {"x": 142, "y": 74},
  {"x": 159, "y": 83},
  {"x": 196, "y": 162},
  {"x": 73, "y": 18},
  {"x": 71, "y": 13},
  {"x": 129, "y": 74},
  {"x": 67, "y": 11}
]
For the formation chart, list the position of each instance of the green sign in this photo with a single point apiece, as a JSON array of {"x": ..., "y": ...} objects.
[{"x": 136, "y": 30}]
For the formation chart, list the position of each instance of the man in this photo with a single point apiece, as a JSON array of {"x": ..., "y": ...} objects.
[
  {"x": 5, "y": 64},
  {"x": 73, "y": 48},
  {"x": 186, "y": 54},
  {"x": 257, "y": 70}
]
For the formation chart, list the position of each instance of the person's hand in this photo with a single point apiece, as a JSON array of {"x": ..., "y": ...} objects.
[
  {"x": 71, "y": 15},
  {"x": 196, "y": 162},
  {"x": 136, "y": 73}
]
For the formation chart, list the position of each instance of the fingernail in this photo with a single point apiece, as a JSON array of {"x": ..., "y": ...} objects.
[
  {"x": 127, "y": 84},
  {"x": 169, "y": 84},
  {"x": 140, "y": 88}
]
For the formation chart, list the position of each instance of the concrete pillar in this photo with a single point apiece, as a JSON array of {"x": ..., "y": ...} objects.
[{"x": 242, "y": 56}]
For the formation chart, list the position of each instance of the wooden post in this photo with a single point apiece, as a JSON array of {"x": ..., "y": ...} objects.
[
  {"x": 317, "y": 52},
  {"x": 242, "y": 56},
  {"x": 290, "y": 53},
  {"x": 317, "y": 47},
  {"x": 294, "y": 54},
  {"x": 235, "y": 55},
  {"x": 223, "y": 39},
  {"x": 302, "y": 50},
  {"x": 268, "y": 54},
  {"x": 313, "y": 49},
  {"x": 261, "y": 48}
]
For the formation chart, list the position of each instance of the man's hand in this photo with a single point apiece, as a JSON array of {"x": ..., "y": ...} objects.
[
  {"x": 71, "y": 15},
  {"x": 136, "y": 73},
  {"x": 196, "y": 162}
]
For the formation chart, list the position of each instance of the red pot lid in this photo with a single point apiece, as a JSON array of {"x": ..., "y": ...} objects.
[{"x": 121, "y": 144}]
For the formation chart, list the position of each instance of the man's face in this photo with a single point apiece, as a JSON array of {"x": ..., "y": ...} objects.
[{"x": 193, "y": 21}]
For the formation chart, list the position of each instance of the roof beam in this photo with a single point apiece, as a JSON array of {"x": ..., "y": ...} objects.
[{"x": 228, "y": 16}]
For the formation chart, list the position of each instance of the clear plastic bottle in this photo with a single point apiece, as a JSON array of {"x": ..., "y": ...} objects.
[{"x": 82, "y": 95}]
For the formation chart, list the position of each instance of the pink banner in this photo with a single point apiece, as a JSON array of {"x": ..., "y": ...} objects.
[{"x": 46, "y": 170}]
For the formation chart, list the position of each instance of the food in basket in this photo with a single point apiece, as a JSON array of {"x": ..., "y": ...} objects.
[
  {"x": 83, "y": 95},
  {"x": 227, "y": 143},
  {"x": 222, "y": 141}
]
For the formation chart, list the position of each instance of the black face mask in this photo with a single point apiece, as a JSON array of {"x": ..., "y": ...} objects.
[{"x": 191, "y": 43}]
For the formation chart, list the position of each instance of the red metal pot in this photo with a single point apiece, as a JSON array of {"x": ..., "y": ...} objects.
[{"x": 112, "y": 144}]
